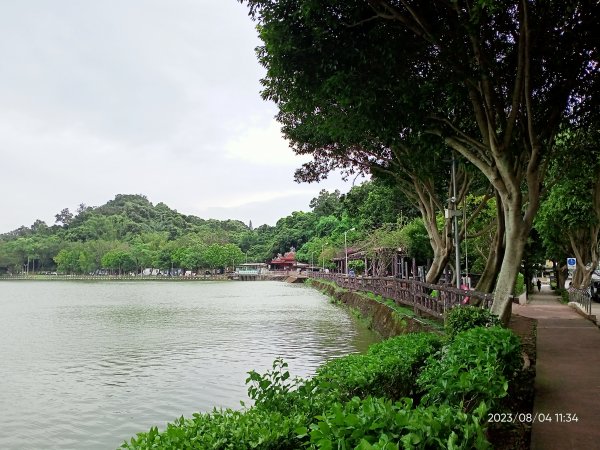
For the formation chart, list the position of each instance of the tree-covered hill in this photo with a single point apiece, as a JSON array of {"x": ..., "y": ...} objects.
[{"x": 130, "y": 233}]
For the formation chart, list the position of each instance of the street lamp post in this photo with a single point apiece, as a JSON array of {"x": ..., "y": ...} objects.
[
  {"x": 346, "y": 246},
  {"x": 323, "y": 255}
]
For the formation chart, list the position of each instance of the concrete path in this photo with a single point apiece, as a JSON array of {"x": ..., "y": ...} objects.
[{"x": 567, "y": 384}]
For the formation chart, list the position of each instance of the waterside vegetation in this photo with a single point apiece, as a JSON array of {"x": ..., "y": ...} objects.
[{"x": 418, "y": 391}]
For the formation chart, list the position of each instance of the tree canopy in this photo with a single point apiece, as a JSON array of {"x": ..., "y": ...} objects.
[
  {"x": 569, "y": 218},
  {"x": 367, "y": 84}
]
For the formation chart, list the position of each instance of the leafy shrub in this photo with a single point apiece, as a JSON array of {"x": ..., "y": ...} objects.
[
  {"x": 377, "y": 423},
  {"x": 564, "y": 295},
  {"x": 476, "y": 366},
  {"x": 389, "y": 369},
  {"x": 270, "y": 391},
  {"x": 462, "y": 318},
  {"x": 519, "y": 285},
  {"x": 459, "y": 383},
  {"x": 225, "y": 429},
  {"x": 358, "y": 265}
]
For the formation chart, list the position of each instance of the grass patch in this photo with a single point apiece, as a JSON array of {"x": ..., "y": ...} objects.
[{"x": 402, "y": 312}]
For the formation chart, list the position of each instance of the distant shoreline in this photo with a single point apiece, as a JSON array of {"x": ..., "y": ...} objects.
[
  {"x": 112, "y": 278},
  {"x": 139, "y": 278}
]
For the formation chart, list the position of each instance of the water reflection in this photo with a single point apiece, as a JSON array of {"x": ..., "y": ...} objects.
[{"x": 86, "y": 365}]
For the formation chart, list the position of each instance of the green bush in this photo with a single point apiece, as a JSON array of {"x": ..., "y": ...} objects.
[
  {"x": 459, "y": 383},
  {"x": 271, "y": 390},
  {"x": 564, "y": 295},
  {"x": 358, "y": 265},
  {"x": 389, "y": 369},
  {"x": 283, "y": 405},
  {"x": 476, "y": 366},
  {"x": 225, "y": 429},
  {"x": 377, "y": 423},
  {"x": 462, "y": 318},
  {"x": 519, "y": 285}
]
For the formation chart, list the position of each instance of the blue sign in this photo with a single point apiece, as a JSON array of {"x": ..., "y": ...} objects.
[{"x": 571, "y": 263}]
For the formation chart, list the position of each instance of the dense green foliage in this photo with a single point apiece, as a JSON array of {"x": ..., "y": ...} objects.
[
  {"x": 475, "y": 367},
  {"x": 129, "y": 234},
  {"x": 370, "y": 401},
  {"x": 126, "y": 234},
  {"x": 389, "y": 87},
  {"x": 467, "y": 317},
  {"x": 379, "y": 423},
  {"x": 569, "y": 218},
  {"x": 381, "y": 372}
]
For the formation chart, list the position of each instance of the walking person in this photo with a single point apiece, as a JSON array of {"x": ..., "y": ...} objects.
[{"x": 539, "y": 285}]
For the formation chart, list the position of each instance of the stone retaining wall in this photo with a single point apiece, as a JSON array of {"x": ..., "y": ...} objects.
[{"x": 385, "y": 321}]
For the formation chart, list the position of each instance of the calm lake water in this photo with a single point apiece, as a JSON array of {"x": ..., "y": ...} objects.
[{"x": 86, "y": 365}]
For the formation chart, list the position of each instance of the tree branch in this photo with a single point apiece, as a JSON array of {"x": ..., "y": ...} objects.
[{"x": 518, "y": 88}]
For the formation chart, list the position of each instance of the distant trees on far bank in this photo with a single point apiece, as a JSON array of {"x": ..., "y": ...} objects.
[{"x": 129, "y": 234}]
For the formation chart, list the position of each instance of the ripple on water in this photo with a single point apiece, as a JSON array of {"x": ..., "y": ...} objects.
[{"x": 88, "y": 365}]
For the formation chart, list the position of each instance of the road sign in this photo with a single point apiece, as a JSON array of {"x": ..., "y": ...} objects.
[{"x": 571, "y": 263}]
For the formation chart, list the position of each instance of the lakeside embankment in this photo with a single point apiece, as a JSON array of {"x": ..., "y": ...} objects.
[{"x": 385, "y": 318}]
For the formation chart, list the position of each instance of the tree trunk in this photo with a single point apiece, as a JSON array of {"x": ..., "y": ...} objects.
[
  {"x": 496, "y": 255},
  {"x": 442, "y": 246},
  {"x": 582, "y": 277},
  {"x": 561, "y": 273},
  {"x": 577, "y": 277},
  {"x": 494, "y": 262},
  {"x": 441, "y": 256},
  {"x": 440, "y": 260},
  {"x": 516, "y": 236},
  {"x": 441, "y": 240},
  {"x": 584, "y": 244},
  {"x": 587, "y": 277}
]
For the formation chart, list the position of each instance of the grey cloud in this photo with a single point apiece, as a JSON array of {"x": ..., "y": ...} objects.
[{"x": 137, "y": 96}]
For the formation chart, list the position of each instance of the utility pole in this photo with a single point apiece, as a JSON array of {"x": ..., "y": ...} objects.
[{"x": 453, "y": 200}]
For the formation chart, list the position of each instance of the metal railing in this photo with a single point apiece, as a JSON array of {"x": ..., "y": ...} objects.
[
  {"x": 582, "y": 297},
  {"x": 430, "y": 299}
]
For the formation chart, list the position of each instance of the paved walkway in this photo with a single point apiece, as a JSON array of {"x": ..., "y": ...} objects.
[{"x": 567, "y": 375}]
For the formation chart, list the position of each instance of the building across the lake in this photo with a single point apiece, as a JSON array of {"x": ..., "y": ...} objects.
[
  {"x": 251, "y": 269},
  {"x": 287, "y": 262}
]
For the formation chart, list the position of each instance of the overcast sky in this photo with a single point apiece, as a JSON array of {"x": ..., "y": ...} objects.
[{"x": 153, "y": 97}]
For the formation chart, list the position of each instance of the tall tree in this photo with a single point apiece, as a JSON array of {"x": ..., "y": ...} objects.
[
  {"x": 64, "y": 217},
  {"x": 485, "y": 77},
  {"x": 326, "y": 203},
  {"x": 569, "y": 219}
]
